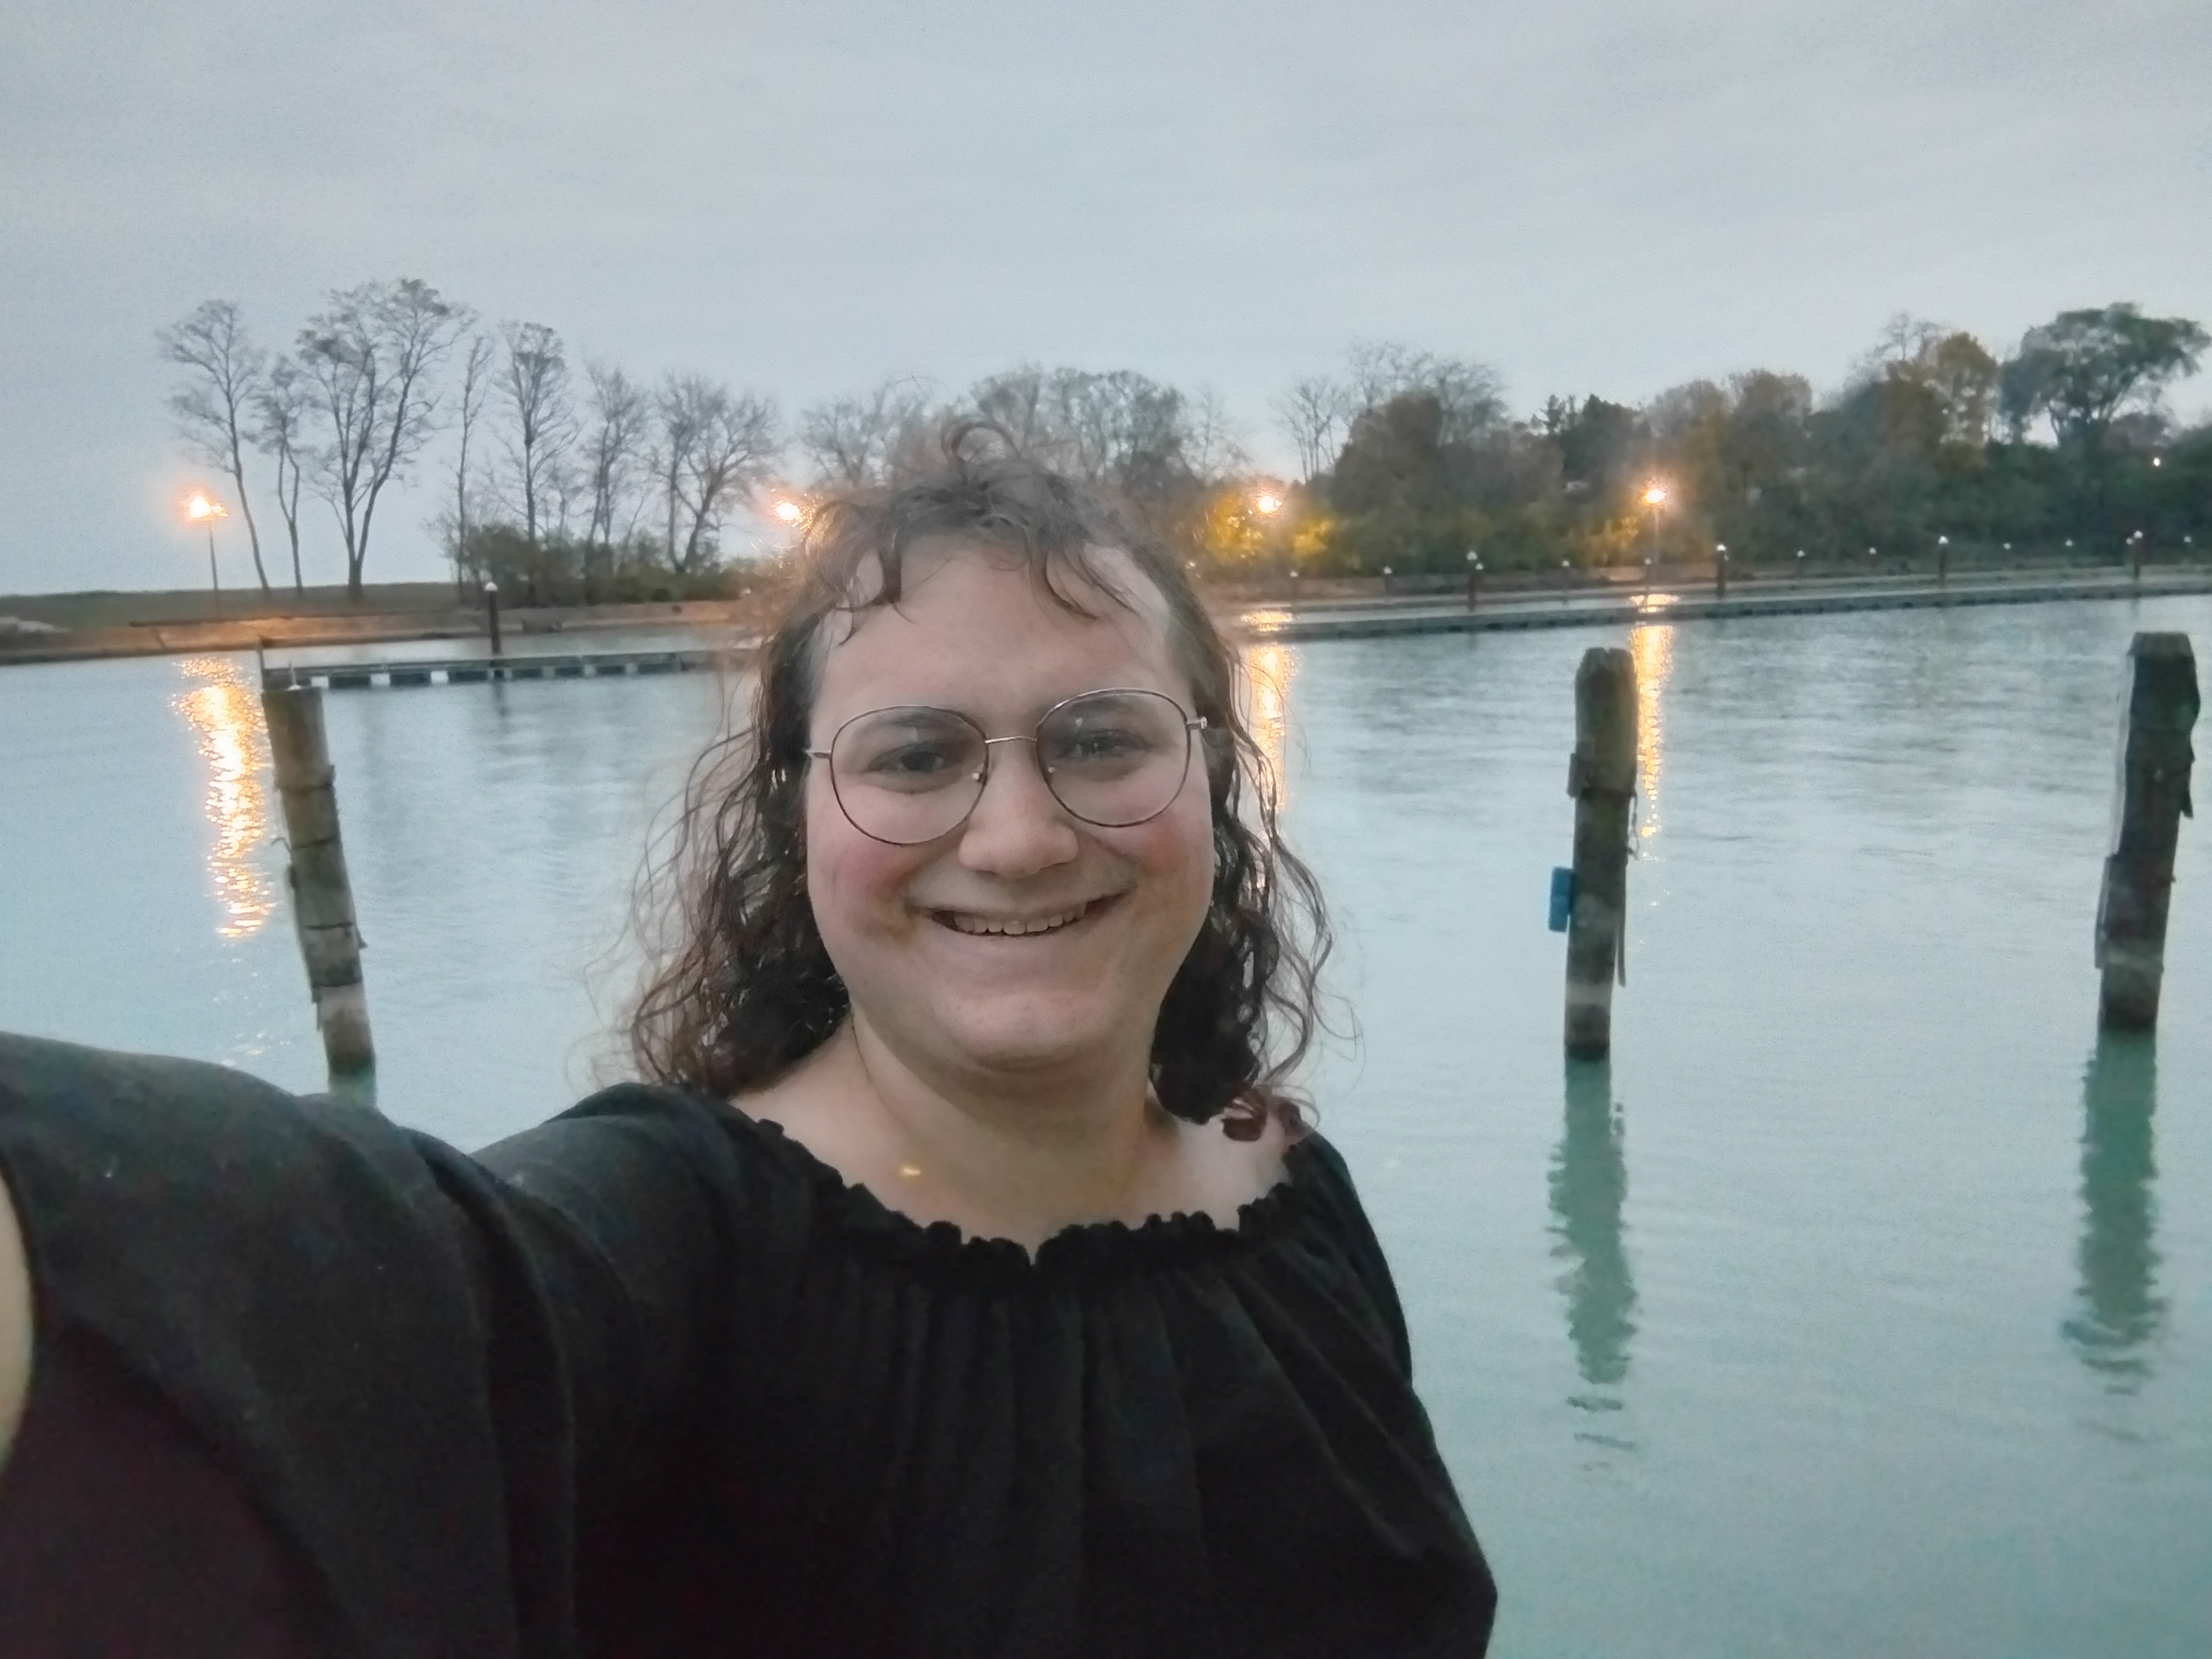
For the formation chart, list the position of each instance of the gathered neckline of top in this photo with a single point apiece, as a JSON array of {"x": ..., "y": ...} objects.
[{"x": 1080, "y": 1248}]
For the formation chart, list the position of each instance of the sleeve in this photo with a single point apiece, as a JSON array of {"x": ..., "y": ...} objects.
[
  {"x": 1350, "y": 1223},
  {"x": 417, "y": 1362}
]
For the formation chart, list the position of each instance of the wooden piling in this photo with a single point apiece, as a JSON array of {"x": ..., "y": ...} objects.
[
  {"x": 491, "y": 614},
  {"x": 322, "y": 896},
  {"x": 1601, "y": 778},
  {"x": 2153, "y": 794}
]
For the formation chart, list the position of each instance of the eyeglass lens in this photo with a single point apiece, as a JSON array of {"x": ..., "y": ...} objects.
[{"x": 1111, "y": 758}]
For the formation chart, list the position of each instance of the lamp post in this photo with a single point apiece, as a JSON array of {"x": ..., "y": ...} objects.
[
  {"x": 1473, "y": 576},
  {"x": 1655, "y": 497},
  {"x": 2136, "y": 554},
  {"x": 1720, "y": 570},
  {"x": 491, "y": 615},
  {"x": 1267, "y": 504},
  {"x": 201, "y": 508},
  {"x": 1943, "y": 560}
]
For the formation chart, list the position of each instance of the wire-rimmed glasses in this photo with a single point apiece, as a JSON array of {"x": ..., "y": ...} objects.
[{"x": 1112, "y": 758}]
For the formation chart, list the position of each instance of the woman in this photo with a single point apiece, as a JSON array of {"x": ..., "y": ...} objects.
[{"x": 965, "y": 1285}]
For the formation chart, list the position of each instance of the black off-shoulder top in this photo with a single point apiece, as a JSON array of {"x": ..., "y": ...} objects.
[{"x": 651, "y": 1380}]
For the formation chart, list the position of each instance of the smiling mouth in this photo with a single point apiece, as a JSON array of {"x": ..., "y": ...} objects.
[{"x": 962, "y": 922}]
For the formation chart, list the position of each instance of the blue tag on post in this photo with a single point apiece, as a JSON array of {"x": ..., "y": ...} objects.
[{"x": 1563, "y": 899}]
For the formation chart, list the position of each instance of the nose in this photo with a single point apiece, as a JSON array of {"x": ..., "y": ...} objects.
[{"x": 1017, "y": 828}]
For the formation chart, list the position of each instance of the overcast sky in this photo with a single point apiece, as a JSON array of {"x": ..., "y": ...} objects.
[{"x": 802, "y": 197}]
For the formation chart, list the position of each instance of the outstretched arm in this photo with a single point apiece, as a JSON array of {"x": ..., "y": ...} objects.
[{"x": 14, "y": 1325}]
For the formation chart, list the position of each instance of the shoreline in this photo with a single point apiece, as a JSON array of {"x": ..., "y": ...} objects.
[{"x": 1311, "y": 609}]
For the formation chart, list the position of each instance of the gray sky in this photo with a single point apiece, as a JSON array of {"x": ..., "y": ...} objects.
[{"x": 805, "y": 195}]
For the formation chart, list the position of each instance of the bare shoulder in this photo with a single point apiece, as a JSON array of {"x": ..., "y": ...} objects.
[
  {"x": 1229, "y": 1173},
  {"x": 14, "y": 1324}
]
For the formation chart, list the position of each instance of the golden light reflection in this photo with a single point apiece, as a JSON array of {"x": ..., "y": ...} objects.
[
  {"x": 1269, "y": 671},
  {"x": 1268, "y": 621},
  {"x": 1655, "y": 601},
  {"x": 225, "y": 716},
  {"x": 1652, "y": 647}
]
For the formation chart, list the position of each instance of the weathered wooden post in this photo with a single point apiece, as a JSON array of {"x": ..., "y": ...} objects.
[
  {"x": 2153, "y": 795},
  {"x": 1601, "y": 777},
  {"x": 322, "y": 896}
]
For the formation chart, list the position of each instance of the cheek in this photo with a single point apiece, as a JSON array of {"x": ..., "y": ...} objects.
[
  {"x": 851, "y": 882},
  {"x": 1179, "y": 859}
]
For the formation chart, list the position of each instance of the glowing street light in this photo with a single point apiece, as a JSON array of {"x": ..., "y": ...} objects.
[
  {"x": 1268, "y": 503},
  {"x": 1655, "y": 497},
  {"x": 200, "y": 508},
  {"x": 790, "y": 512}
]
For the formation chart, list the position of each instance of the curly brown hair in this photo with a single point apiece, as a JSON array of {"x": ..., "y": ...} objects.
[{"x": 743, "y": 988}]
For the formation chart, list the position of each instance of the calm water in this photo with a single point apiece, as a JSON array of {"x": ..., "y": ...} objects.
[{"x": 1863, "y": 1306}]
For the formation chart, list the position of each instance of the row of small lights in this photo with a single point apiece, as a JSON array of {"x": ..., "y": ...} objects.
[{"x": 201, "y": 508}]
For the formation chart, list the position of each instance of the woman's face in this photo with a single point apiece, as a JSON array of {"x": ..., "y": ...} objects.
[{"x": 915, "y": 932}]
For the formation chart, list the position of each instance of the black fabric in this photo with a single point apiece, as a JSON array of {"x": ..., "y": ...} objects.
[
  {"x": 121, "y": 1532},
  {"x": 650, "y": 1380}
]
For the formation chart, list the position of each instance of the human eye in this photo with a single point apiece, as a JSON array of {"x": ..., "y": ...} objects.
[
  {"x": 908, "y": 754},
  {"x": 1107, "y": 733}
]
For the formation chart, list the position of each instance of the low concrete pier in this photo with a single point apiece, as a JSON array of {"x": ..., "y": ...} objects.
[
  {"x": 477, "y": 671},
  {"x": 1610, "y": 606}
]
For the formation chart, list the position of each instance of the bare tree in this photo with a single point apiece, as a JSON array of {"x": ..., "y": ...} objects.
[
  {"x": 475, "y": 386},
  {"x": 1121, "y": 430},
  {"x": 215, "y": 406},
  {"x": 717, "y": 448},
  {"x": 279, "y": 432},
  {"x": 612, "y": 448},
  {"x": 1017, "y": 401},
  {"x": 370, "y": 356},
  {"x": 1903, "y": 339},
  {"x": 533, "y": 383},
  {"x": 1213, "y": 442},
  {"x": 1315, "y": 413},
  {"x": 857, "y": 441},
  {"x": 1471, "y": 395}
]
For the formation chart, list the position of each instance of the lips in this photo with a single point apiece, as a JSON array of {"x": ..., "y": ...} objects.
[{"x": 978, "y": 925}]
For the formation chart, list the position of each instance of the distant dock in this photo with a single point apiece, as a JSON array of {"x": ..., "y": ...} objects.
[
  {"x": 1436, "y": 615},
  {"x": 1333, "y": 619},
  {"x": 482, "y": 670}
]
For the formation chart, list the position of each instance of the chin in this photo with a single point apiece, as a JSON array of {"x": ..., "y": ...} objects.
[{"x": 1028, "y": 1033}]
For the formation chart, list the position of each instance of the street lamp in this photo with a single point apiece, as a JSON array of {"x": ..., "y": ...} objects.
[
  {"x": 1655, "y": 497},
  {"x": 201, "y": 508},
  {"x": 1720, "y": 570},
  {"x": 790, "y": 512},
  {"x": 1267, "y": 504},
  {"x": 1942, "y": 559},
  {"x": 1473, "y": 575}
]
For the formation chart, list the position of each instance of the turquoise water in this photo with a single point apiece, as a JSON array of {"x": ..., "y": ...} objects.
[{"x": 1863, "y": 1305}]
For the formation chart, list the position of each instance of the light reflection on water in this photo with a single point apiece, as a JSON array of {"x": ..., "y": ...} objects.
[
  {"x": 1268, "y": 672},
  {"x": 1651, "y": 646},
  {"x": 225, "y": 715}
]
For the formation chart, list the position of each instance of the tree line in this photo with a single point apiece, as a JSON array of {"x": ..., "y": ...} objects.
[{"x": 562, "y": 477}]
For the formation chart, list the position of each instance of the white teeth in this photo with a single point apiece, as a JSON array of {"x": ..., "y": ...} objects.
[{"x": 1013, "y": 929}]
